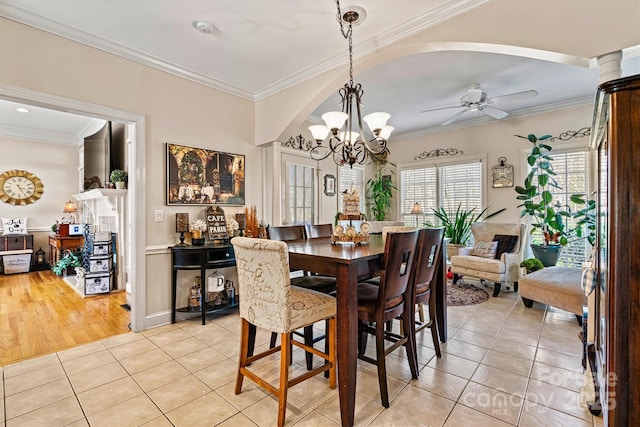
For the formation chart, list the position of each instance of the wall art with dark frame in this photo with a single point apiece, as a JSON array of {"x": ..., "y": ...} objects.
[{"x": 197, "y": 176}]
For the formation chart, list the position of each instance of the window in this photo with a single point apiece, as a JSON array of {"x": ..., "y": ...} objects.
[
  {"x": 349, "y": 178},
  {"x": 572, "y": 169},
  {"x": 440, "y": 185},
  {"x": 301, "y": 194}
]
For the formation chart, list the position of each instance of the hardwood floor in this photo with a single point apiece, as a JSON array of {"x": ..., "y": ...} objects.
[{"x": 40, "y": 314}]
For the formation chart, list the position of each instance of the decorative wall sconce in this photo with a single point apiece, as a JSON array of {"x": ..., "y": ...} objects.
[{"x": 502, "y": 174}]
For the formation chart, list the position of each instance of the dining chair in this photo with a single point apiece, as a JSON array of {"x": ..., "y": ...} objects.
[
  {"x": 319, "y": 230},
  {"x": 428, "y": 251},
  {"x": 269, "y": 301},
  {"x": 390, "y": 298},
  {"x": 324, "y": 284}
]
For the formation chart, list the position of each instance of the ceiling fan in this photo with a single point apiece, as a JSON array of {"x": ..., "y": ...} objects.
[{"x": 477, "y": 100}]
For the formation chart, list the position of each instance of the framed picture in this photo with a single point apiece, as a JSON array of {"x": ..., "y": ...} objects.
[
  {"x": 330, "y": 185},
  {"x": 197, "y": 176},
  {"x": 502, "y": 174}
]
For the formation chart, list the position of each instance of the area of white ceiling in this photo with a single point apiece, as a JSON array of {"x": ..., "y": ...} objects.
[{"x": 259, "y": 47}]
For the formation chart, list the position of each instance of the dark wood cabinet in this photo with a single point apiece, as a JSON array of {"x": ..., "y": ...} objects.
[
  {"x": 200, "y": 258},
  {"x": 616, "y": 355}
]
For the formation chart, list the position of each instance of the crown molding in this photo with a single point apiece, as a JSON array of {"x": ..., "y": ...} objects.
[
  {"x": 37, "y": 135},
  {"x": 406, "y": 29}
]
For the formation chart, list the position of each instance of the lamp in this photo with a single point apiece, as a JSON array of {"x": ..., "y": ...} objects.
[
  {"x": 417, "y": 210},
  {"x": 349, "y": 146},
  {"x": 70, "y": 208},
  {"x": 182, "y": 226}
]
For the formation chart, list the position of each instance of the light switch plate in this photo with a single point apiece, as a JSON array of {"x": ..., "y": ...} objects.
[{"x": 159, "y": 215}]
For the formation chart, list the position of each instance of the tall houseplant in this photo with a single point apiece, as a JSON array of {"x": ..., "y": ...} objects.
[
  {"x": 457, "y": 226},
  {"x": 546, "y": 215},
  {"x": 380, "y": 191}
]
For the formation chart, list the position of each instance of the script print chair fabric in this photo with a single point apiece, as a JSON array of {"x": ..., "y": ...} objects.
[
  {"x": 267, "y": 300},
  {"x": 392, "y": 297},
  {"x": 324, "y": 284},
  {"x": 504, "y": 267}
]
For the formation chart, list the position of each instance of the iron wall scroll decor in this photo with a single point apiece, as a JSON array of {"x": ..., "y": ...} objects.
[
  {"x": 197, "y": 176},
  {"x": 502, "y": 174},
  {"x": 438, "y": 152},
  {"x": 299, "y": 143},
  {"x": 570, "y": 134},
  {"x": 329, "y": 185}
]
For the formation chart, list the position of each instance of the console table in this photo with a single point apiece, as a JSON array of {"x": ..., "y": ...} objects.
[
  {"x": 59, "y": 244},
  {"x": 200, "y": 258}
]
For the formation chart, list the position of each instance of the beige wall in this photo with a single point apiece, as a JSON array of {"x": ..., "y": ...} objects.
[
  {"x": 175, "y": 110},
  {"x": 57, "y": 167}
]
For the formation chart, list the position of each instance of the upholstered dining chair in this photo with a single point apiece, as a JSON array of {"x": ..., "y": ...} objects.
[
  {"x": 324, "y": 284},
  {"x": 267, "y": 300},
  {"x": 390, "y": 298}
]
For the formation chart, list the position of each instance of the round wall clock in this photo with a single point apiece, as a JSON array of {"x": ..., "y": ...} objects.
[{"x": 19, "y": 187}]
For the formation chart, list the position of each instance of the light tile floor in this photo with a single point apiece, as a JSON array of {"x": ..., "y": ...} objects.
[{"x": 503, "y": 365}]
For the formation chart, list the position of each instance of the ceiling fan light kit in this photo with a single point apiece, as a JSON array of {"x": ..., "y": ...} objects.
[
  {"x": 476, "y": 100},
  {"x": 349, "y": 146}
]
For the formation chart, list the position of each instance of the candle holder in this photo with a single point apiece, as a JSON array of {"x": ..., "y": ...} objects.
[{"x": 182, "y": 226}]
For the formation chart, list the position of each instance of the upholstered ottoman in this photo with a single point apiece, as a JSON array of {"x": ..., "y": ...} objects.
[{"x": 555, "y": 286}]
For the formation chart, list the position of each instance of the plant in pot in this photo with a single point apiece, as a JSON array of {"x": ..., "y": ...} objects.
[
  {"x": 457, "y": 226},
  {"x": 531, "y": 265},
  {"x": 380, "y": 191},
  {"x": 118, "y": 177},
  {"x": 69, "y": 260},
  {"x": 546, "y": 215}
]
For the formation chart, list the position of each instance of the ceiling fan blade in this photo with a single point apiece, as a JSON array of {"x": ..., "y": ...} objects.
[
  {"x": 515, "y": 96},
  {"x": 494, "y": 112},
  {"x": 454, "y": 117},
  {"x": 441, "y": 108}
]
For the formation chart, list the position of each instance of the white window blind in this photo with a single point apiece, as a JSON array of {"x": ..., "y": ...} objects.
[
  {"x": 440, "y": 186},
  {"x": 349, "y": 178},
  {"x": 301, "y": 194}
]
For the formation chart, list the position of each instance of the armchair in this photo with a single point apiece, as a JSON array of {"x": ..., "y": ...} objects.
[{"x": 503, "y": 269}]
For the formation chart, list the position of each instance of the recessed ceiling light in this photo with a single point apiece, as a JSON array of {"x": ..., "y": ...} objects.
[
  {"x": 205, "y": 27},
  {"x": 22, "y": 110}
]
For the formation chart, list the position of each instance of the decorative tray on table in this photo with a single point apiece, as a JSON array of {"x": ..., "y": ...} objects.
[{"x": 350, "y": 235}]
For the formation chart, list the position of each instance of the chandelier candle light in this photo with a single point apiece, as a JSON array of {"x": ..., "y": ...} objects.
[{"x": 349, "y": 146}]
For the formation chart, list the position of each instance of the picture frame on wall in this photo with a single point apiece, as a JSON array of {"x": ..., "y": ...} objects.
[
  {"x": 330, "y": 185},
  {"x": 197, "y": 176}
]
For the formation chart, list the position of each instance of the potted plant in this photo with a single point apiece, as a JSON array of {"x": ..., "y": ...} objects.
[
  {"x": 546, "y": 215},
  {"x": 198, "y": 226},
  {"x": 457, "y": 226},
  {"x": 531, "y": 265},
  {"x": 69, "y": 261},
  {"x": 380, "y": 191},
  {"x": 118, "y": 177}
]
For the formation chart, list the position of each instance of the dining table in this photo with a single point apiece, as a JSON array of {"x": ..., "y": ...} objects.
[{"x": 348, "y": 263}]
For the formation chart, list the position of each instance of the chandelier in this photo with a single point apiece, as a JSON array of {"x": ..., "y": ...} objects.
[{"x": 350, "y": 146}]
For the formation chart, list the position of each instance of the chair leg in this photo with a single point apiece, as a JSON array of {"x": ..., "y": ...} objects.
[
  {"x": 362, "y": 338},
  {"x": 455, "y": 279},
  {"x": 434, "y": 326},
  {"x": 409, "y": 322},
  {"x": 244, "y": 346},
  {"x": 527, "y": 302},
  {"x": 515, "y": 286},
  {"x": 496, "y": 289},
  {"x": 382, "y": 366},
  {"x": 308, "y": 340},
  {"x": 284, "y": 377},
  {"x": 274, "y": 338},
  {"x": 421, "y": 312}
]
